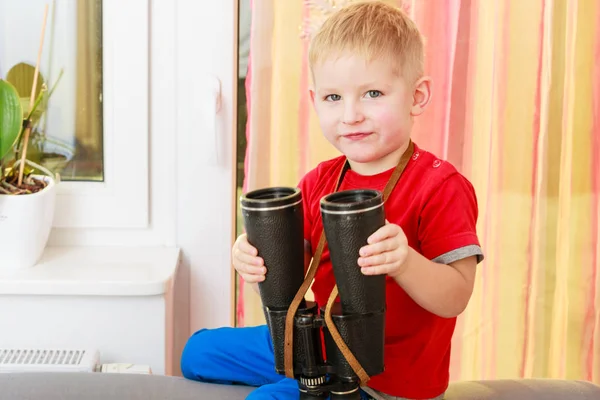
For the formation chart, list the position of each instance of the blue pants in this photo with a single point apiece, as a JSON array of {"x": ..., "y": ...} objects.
[{"x": 237, "y": 356}]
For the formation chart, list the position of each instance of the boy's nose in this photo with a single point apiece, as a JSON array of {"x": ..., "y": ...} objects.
[{"x": 352, "y": 114}]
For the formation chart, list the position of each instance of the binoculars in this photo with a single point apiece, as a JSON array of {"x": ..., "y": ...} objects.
[{"x": 328, "y": 349}]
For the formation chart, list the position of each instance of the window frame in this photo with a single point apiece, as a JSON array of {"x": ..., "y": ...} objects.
[{"x": 122, "y": 199}]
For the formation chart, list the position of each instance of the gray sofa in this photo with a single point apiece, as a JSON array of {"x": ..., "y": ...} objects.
[{"x": 98, "y": 386}]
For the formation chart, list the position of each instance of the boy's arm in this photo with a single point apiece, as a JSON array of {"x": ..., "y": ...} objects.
[
  {"x": 443, "y": 284},
  {"x": 440, "y": 276},
  {"x": 441, "y": 289}
]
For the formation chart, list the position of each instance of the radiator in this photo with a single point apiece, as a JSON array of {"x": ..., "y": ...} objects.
[{"x": 51, "y": 360}]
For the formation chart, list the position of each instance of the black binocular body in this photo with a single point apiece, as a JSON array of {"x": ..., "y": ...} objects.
[{"x": 274, "y": 224}]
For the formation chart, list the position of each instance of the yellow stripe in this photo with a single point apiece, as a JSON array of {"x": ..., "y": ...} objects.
[
  {"x": 561, "y": 301},
  {"x": 536, "y": 321},
  {"x": 285, "y": 95}
]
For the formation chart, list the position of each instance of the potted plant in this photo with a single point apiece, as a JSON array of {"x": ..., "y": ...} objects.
[
  {"x": 27, "y": 190},
  {"x": 42, "y": 149}
]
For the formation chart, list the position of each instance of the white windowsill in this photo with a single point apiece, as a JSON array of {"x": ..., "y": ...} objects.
[{"x": 95, "y": 271}]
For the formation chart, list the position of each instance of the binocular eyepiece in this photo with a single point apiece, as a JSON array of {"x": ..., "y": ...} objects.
[{"x": 273, "y": 219}]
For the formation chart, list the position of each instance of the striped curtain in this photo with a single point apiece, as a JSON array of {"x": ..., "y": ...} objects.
[{"x": 516, "y": 108}]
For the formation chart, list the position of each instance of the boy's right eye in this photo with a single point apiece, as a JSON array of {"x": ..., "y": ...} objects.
[{"x": 333, "y": 97}]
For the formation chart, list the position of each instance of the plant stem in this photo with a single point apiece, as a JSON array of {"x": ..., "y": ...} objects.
[
  {"x": 27, "y": 122},
  {"x": 32, "y": 98}
]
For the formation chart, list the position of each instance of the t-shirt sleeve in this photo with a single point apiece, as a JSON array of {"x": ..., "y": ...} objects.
[{"x": 448, "y": 222}]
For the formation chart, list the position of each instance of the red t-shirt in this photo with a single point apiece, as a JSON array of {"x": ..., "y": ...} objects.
[{"x": 437, "y": 209}]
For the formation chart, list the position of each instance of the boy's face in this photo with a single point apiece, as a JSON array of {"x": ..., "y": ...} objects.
[{"x": 366, "y": 109}]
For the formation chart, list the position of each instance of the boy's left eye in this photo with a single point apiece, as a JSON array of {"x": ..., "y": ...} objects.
[{"x": 374, "y": 93}]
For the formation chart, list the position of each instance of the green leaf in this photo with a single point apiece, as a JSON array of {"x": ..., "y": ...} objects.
[{"x": 11, "y": 117}]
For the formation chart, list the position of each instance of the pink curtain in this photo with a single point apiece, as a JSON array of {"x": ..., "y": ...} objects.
[{"x": 516, "y": 108}]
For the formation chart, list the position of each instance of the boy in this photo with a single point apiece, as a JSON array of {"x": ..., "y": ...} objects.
[{"x": 367, "y": 65}]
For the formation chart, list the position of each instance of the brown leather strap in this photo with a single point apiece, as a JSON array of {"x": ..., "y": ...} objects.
[
  {"x": 314, "y": 264},
  {"x": 288, "y": 350},
  {"x": 337, "y": 338}
]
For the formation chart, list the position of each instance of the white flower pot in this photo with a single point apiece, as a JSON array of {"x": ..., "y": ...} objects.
[{"x": 25, "y": 223}]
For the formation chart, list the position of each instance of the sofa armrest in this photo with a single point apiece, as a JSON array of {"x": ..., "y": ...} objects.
[
  {"x": 102, "y": 386},
  {"x": 523, "y": 389}
]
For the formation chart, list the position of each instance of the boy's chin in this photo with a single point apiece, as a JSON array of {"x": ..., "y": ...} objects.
[
  {"x": 368, "y": 165},
  {"x": 364, "y": 157},
  {"x": 363, "y": 160},
  {"x": 373, "y": 163}
]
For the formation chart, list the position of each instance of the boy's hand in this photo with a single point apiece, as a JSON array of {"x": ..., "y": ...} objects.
[
  {"x": 246, "y": 261},
  {"x": 385, "y": 253}
]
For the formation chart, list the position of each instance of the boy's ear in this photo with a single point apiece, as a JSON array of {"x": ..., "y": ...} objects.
[
  {"x": 312, "y": 95},
  {"x": 421, "y": 96}
]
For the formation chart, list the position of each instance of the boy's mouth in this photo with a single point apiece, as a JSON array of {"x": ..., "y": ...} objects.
[{"x": 356, "y": 135}]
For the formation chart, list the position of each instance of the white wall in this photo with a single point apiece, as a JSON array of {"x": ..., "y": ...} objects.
[{"x": 204, "y": 51}]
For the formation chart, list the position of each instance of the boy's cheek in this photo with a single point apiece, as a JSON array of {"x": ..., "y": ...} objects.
[
  {"x": 387, "y": 117},
  {"x": 328, "y": 122}
]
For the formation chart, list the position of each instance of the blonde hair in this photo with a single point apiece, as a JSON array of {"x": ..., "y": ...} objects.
[{"x": 372, "y": 29}]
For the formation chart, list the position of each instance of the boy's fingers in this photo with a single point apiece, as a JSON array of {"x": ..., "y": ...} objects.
[
  {"x": 252, "y": 278},
  {"x": 378, "y": 247},
  {"x": 377, "y": 259},
  {"x": 378, "y": 270},
  {"x": 250, "y": 269},
  {"x": 245, "y": 247},
  {"x": 248, "y": 258},
  {"x": 384, "y": 232}
]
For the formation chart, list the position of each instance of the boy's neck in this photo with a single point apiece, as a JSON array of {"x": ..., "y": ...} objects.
[{"x": 383, "y": 164}]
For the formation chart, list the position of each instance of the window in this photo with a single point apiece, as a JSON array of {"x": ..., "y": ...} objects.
[
  {"x": 68, "y": 137},
  {"x": 95, "y": 129}
]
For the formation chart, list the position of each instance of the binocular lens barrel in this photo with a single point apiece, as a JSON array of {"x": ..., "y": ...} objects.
[
  {"x": 349, "y": 218},
  {"x": 273, "y": 218}
]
